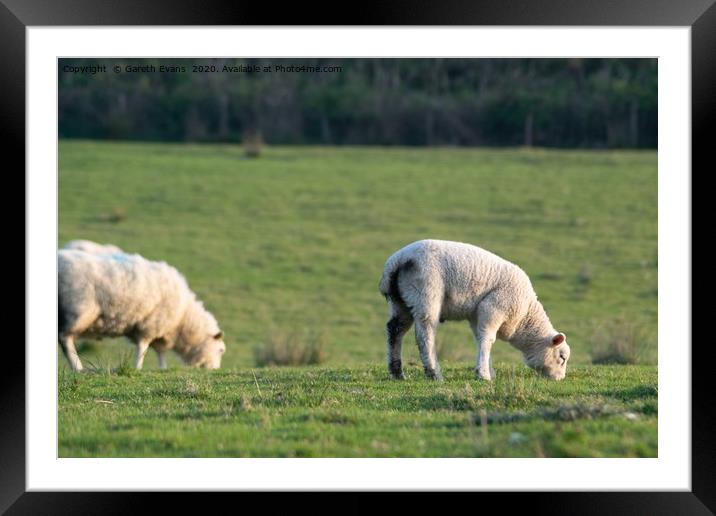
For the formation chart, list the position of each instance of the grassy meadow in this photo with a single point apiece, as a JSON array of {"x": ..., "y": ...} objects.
[{"x": 289, "y": 248}]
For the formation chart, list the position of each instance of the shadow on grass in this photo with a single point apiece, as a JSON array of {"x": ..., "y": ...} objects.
[{"x": 632, "y": 393}]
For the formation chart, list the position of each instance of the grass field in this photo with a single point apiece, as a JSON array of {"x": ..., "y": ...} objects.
[
  {"x": 604, "y": 411},
  {"x": 290, "y": 246}
]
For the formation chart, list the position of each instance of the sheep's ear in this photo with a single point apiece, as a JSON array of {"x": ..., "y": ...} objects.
[
  {"x": 558, "y": 339},
  {"x": 219, "y": 335}
]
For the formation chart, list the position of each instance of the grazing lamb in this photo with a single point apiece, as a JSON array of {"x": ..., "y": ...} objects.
[
  {"x": 103, "y": 295},
  {"x": 92, "y": 247},
  {"x": 431, "y": 281}
]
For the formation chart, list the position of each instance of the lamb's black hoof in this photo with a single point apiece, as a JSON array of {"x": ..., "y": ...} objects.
[
  {"x": 397, "y": 374},
  {"x": 396, "y": 370}
]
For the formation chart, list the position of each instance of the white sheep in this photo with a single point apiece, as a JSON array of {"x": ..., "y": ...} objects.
[
  {"x": 431, "y": 281},
  {"x": 148, "y": 302},
  {"x": 92, "y": 247}
]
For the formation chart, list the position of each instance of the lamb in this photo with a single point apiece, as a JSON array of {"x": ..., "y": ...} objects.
[
  {"x": 431, "y": 281},
  {"x": 92, "y": 247},
  {"x": 102, "y": 295}
]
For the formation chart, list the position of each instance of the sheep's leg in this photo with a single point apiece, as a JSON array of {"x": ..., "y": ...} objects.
[
  {"x": 398, "y": 325},
  {"x": 162, "y": 356},
  {"x": 425, "y": 338},
  {"x": 142, "y": 348},
  {"x": 68, "y": 348},
  {"x": 485, "y": 339},
  {"x": 485, "y": 332}
]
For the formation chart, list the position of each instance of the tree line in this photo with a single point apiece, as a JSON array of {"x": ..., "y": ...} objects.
[{"x": 585, "y": 103}]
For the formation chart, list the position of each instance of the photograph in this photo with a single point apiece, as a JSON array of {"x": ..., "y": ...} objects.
[{"x": 442, "y": 257}]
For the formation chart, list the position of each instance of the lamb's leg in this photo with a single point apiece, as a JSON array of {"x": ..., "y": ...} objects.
[
  {"x": 142, "y": 348},
  {"x": 68, "y": 348},
  {"x": 485, "y": 331},
  {"x": 398, "y": 325},
  {"x": 425, "y": 337},
  {"x": 162, "y": 356},
  {"x": 485, "y": 339}
]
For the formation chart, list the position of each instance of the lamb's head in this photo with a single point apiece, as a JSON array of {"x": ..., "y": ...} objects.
[
  {"x": 208, "y": 353},
  {"x": 550, "y": 357}
]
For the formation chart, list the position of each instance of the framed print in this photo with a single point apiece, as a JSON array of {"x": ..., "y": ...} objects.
[{"x": 226, "y": 196}]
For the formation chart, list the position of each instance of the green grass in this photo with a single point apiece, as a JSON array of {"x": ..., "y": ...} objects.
[
  {"x": 293, "y": 243},
  {"x": 358, "y": 412}
]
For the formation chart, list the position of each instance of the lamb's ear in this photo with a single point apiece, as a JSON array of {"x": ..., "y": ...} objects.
[
  {"x": 558, "y": 339},
  {"x": 219, "y": 335}
]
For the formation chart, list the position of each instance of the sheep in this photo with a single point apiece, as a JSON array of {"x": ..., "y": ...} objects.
[
  {"x": 92, "y": 247},
  {"x": 431, "y": 281},
  {"x": 112, "y": 295}
]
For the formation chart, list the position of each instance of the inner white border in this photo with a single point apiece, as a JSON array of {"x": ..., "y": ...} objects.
[{"x": 671, "y": 471}]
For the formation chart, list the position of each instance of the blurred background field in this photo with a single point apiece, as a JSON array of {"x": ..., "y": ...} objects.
[{"x": 291, "y": 246}]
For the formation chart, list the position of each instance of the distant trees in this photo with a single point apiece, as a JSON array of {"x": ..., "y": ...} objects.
[{"x": 540, "y": 102}]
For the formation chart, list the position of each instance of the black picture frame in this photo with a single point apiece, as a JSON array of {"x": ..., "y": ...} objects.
[{"x": 17, "y": 15}]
